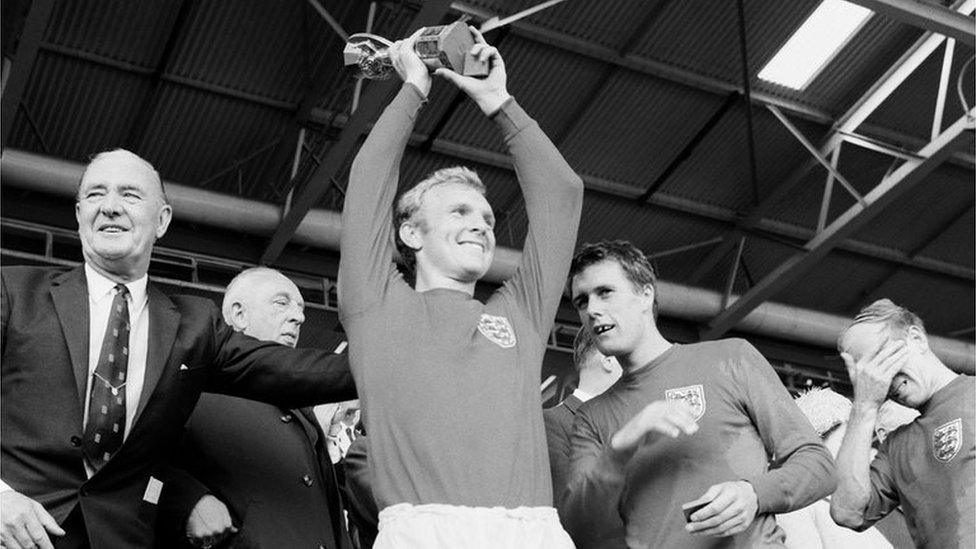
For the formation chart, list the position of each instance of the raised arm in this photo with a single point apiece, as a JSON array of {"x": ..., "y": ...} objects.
[
  {"x": 552, "y": 191},
  {"x": 366, "y": 245},
  {"x": 856, "y": 476}
]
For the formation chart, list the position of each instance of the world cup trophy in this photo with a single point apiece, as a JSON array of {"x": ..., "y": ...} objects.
[{"x": 444, "y": 46}]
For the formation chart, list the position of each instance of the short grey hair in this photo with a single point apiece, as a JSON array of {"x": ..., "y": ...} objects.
[
  {"x": 129, "y": 155},
  {"x": 237, "y": 287},
  {"x": 895, "y": 319},
  {"x": 409, "y": 203}
]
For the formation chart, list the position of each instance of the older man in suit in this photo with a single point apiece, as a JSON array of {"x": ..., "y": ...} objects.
[
  {"x": 100, "y": 370},
  {"x": 263, "y": 465}
]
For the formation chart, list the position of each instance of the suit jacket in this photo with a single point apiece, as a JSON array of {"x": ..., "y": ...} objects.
[
  {"x": 357, "y": 490},
  {"x": 269, "y": 465},
  {"x": 559, "y": 432},
  {"x": 43, "y": 378}
]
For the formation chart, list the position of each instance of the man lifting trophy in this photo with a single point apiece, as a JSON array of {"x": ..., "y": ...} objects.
[{"x": 443, "y": 46}]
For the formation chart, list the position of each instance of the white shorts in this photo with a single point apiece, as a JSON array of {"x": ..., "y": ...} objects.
[{"x": 406, "y": 526}]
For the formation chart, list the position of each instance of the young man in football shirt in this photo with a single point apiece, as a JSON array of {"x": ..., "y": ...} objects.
[
  {"x": 450, "y": 384},
  {"x": 928, "y": 467},
  {"x": 679, "y": 447}
]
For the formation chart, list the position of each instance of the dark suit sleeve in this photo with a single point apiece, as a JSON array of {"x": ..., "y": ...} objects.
[
  {"x": 357, "y": 492},
  {"x": 181, "y": 492},
  {"x": 276, "y": 374}
]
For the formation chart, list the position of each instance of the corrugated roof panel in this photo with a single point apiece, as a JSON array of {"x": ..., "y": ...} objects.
[
  {"x": 650, "y": 228},
  {"x": 861, "y": 63},
  {"x": 676, "y": 37},
  {"x": 194, "y": 135},
  {"x": 553, "y": 86},
  {"x": 930, "y": 296},
  {"x": 595, "y": 21},
  {"x": 864, "y": 169},
  {"x": 718, "y": 173},
  {"x": 80, "y": 108},
  {"x": 836, "y": 285},
  {"x": 94, "y": 26},
  {"x": 641, "y": 125},
  {"x": 921, "y": 214},
  {"x": 953, "y": 245},
  {"x": 264, "y": 48},
  {"x": 911, "y": 108}
]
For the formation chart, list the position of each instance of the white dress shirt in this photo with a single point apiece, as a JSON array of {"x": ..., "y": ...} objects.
[{"x": 101, "y": 292}]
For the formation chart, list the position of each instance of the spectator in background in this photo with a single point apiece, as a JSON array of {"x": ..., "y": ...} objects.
[
  {"x": 811, "y": 527},
  {"x": 596, "y": 374},
  {"x": 264, "y": 468},
  {"x": 928, "y": 467}
]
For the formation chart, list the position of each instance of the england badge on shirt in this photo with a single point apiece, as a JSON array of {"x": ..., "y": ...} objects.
[
  {"x": 946, "y": 440},
  {"x": 692, "y": 395},
  {"x": 498, "y": 330}
]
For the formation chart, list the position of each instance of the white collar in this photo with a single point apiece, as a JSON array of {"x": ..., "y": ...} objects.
[
  {"x": 582, "y": 395},
  {"x": 100, "y": 286}
]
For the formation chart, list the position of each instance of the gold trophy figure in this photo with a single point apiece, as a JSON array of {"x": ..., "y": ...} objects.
[{"x": 444, "y": 46}]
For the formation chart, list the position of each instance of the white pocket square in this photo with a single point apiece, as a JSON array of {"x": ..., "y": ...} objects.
[{"x": 183, "y": 367}]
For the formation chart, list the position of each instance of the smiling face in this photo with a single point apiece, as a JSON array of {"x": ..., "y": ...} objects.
[
  {"x": 453, "y": 236},
  {"x": 269, "y": 307},
  {"x": 121, "y": 212},
  {"x": 618, "y": 314},
  {"x": 912, "y": 385}
]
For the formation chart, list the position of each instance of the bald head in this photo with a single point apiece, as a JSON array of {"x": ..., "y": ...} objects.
[{"x": 264, "y": 304}]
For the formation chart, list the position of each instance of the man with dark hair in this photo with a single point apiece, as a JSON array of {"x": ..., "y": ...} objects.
[
  {"x": 690, "y": 428},
  {"x": 928, "y": 467},
  {"x": 450, "y": 385},
  {"x": 100, "y": 370}
]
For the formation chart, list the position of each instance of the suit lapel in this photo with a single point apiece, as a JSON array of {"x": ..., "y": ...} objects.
[
  {"x": 164, "y": 321},
  {"x": 70, "y": 295},
  {"x": 310, "y": 424}
]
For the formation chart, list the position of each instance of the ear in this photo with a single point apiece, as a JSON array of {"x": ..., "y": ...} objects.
[
  {"x": 915, "y": 337},
  {"x": 162, "y": 222},
  {"x": 648, "y": 296},
  {"x": 410, "y": 235},
  {"x": 78, "y": 212},
  {"x": 238, "y": 316}
]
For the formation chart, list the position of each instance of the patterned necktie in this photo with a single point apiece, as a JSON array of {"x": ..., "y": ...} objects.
[{"x": 106, "y": 405}]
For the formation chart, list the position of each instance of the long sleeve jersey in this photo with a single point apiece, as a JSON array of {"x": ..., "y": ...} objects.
[
  {"x": 450, "y": 385},
  {"x": 745, "y": 417}
]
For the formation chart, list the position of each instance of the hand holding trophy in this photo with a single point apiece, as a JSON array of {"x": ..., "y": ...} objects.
[{"x": 444, "y": 46}]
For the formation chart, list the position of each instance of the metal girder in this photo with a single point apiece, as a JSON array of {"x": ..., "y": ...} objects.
[
  {"x": 369, "y": 109},
  {"x": 900, "y": 181},
  {"x": 20, "y": 70},
  {"x": 845, "y": 125},
  {"x": 644, "y": 65},
  {"x": 894, "y": 76},
  {"x": 758, "y": 226},
  {"x": 926, "y": 16},
  {"x": 679, "y": 159},
  {"x": 935, "y": 235}
]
